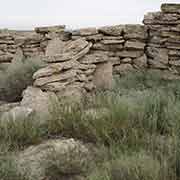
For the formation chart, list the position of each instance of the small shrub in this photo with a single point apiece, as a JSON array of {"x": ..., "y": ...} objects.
[{"x": 17, "y": 77}]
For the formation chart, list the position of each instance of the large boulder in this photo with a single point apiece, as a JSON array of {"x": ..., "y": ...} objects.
[
  {"x": 40, "y": 102},
  {"x": 63, "y": 158}
]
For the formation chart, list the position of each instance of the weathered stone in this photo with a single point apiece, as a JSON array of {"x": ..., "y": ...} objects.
[
  {"x": 85, "y": 32},
  {"x": 3, "y": 46},
  {"x": 54, "y": 69},
  {"x": 6, "y": 58},
  {"x": 94, "y": 38},
  {"x": 89, "y": 86},
  {"x": 174, "y": 53},
  {"x": 107, "y": 47},
  {"x": 66, "y": 56},
  {"x": 158, "y": 54},
  {"x": 64, "y": 36},
  {"x": 2, "y": 53},
  {"x": 114, "y": 60},
  {"x": 170, "y": 8},
  {"x": 55, "y": 78},
  {"x": 175, "y": 63},
  {"x": 112, "y": 30},
  {"x": 131, "y": 54},
  {"x": 113, "y": 38},
  {"x": 126, "y": 60},
  {"x": 50, "y": 29},
  {"x": 94, "y": 58},
  {"x": 9, "y": 42},
  {"x": 83, "y": 52},
  {"x": 161, "y": 19},
  {"x": 156, "y": 64},
  {"x": 75, "y": 46},
  {"x": 39, "y": 101},
  {"x": 135, "y": 31},
  {"x": 70, "y": 157},
  {"x": 140, "y": 62},
  {"x": 112, "y": 41},
  {"x": 86, "y": 66},
  {"x": 134, "y": 45},
  {"x": 123, "y": 69},
  {"x": 103, "y": 76},
  {"x": 55, "y": 86},
  {"x": 54, "y": 47}
]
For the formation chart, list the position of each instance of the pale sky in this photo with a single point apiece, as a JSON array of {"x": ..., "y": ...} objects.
[{"x": 27, "y": 14}]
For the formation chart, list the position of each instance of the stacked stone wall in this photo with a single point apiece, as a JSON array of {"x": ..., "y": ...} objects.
[{"x": 85, "y": 59}]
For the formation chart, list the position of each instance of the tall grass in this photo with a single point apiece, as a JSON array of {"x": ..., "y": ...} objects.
[{"x": 137, "y": 123}]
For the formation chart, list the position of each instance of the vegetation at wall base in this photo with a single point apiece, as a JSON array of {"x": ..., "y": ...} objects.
[{"x": 135, "y": 127}]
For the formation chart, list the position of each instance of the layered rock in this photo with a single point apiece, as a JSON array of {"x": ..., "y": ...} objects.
[
  {"x": 64, "y": 72},
  {"x": 163, "y": 42}
]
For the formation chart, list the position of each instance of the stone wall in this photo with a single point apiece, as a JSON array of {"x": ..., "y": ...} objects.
[
  {"x": 81, "y": 60},
  {"x": 163, "y": 42}
]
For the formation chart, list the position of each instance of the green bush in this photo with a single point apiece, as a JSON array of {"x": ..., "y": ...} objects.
[{"x": 17, "y": 77}]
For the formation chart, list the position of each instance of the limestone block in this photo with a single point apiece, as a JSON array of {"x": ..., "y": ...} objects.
[
  {"x": 94, "y": 58},
  {"x": 126, "y": 60},
  {"x": 161, "y": 19},
  {"x": 158, "y": 54},
  {"x": 112, "y": 30},
  {"x": 55, "y": 78},
  {"x": 135, "y": 31},
  {"x": 103, "y": 76},
  {"x": 131, "y": 54},
  {"x": 107, "y": 47},
  {"x": 54, "y": 68},
  {"x": 134, "y": 45},
  {"x": 112, "y": 41},
  {"x": 123, "y": 69},
  {"x": 54, "y": 47},
  {"x": 140, "y": 62}
]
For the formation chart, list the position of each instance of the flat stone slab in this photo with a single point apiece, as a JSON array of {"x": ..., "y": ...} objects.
[{"x": 112, "y": 30}]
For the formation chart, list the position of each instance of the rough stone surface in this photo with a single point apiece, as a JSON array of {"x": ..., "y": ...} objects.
[
  {"x": 69, "y": 156},
  {"x": 38, "y": 101},
  {"x": 55, "y": 46},
  {"x": 112, "y": 30},
  {"x": 123, "y": 69},
  {"x": 103, "y": 76},
  {"x": 170, "y": 8},
  {"x": 140, "y": 62}
]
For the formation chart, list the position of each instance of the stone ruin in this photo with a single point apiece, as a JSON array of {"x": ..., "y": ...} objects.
[{"x": 80, "y": 61}]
